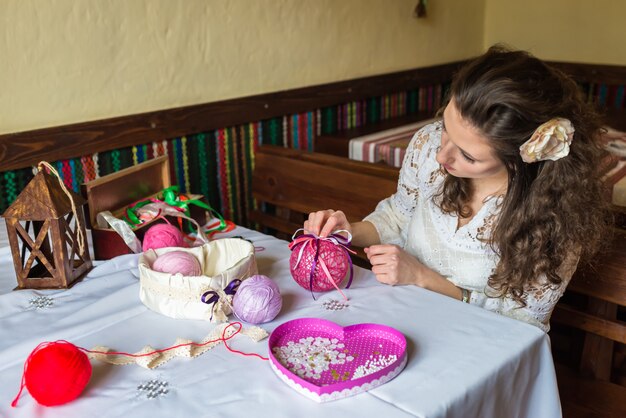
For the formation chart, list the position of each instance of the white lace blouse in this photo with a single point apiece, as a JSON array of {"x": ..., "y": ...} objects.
[{"x": 411, "y": 219}]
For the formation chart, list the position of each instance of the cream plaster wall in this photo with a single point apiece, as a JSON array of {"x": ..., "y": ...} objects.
[
  {"x": 560, "y": 30},
  {"x": 67, "y": 61}
]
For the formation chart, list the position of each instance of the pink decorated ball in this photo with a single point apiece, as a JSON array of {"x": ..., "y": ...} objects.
[
  {"x": 178, "y": 262},
  {"x": 333, "y": 256}
]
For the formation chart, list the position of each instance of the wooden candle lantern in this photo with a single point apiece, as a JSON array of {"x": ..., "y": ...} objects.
[{"x": 46, "y": 230}]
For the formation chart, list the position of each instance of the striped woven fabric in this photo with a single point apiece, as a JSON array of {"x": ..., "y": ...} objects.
[
  {"x": 219, "y": 163},
  {"x": 388, "y": 146}
]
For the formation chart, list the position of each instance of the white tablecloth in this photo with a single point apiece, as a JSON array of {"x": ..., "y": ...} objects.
[{"x": 463, "y": 361}]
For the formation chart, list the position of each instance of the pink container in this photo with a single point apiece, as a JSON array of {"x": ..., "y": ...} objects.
[{"x": 325, "y": 361}]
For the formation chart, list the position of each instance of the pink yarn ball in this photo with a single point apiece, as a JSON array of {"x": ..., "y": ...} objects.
[
  {"x": 334, "y": 257},
  {"x": 178, "y": 262},
  {"x": 257, "y": 300},
  {"x": 161, "y": 236}
]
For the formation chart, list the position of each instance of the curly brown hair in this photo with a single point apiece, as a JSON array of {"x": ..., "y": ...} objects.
[{"x": 553, "y": 211}]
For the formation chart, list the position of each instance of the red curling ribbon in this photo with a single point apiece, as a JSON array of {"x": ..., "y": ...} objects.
[{"x": 214, "y": 228}]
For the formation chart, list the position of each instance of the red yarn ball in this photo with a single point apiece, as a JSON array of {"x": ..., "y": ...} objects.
[
  {"x": 56, "y": 373},
  {"x": 334, "y": 257},
  {"x": 161, "y": 236}
]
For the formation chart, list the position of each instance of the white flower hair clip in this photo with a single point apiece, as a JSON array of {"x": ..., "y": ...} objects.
[{"x": 550, "y": 141}]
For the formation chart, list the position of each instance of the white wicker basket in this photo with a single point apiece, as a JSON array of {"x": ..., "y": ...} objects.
[{"x": 177, "y": 296}]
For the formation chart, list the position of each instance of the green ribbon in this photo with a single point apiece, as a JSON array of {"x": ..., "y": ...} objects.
[{"x": 170, "y": 196}]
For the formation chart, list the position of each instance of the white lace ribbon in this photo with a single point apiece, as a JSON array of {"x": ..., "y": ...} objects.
[{"x": 184, "y": 348}]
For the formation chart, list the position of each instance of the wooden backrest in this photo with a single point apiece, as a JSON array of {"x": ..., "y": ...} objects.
[
  {"x": 604, "y": 284},
  {"x": 299, "y": 182},
  {"x": 604, "y": 289},
  {"x": 606, "y": 278}
]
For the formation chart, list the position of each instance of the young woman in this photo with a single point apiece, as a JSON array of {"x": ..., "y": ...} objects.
[{"x": 497, "y": 202}]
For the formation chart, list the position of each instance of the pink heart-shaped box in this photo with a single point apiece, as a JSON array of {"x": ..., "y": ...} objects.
[{"x": 325, "y": 361}]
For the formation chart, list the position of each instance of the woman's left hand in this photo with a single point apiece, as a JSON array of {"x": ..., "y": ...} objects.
[{"x": 394, "y": 266}]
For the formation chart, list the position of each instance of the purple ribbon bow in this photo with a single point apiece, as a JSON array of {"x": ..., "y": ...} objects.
[{"x": 230, "y": 289}]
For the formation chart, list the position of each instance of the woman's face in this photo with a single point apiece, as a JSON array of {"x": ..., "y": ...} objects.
[{"x": 464, "y": 151}]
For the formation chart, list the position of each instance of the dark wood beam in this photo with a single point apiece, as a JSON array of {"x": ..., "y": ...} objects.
[{"x": 593, "y": 73}]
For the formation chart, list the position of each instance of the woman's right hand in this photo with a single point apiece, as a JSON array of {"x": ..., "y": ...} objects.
[{"x": 322, "y": 223}]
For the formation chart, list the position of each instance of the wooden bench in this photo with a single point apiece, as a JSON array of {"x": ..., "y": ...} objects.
[
  {"x": 605, "y": 286},
  {"x": 589, "y": 398},
  {"x": 588, "y": 391},
  {"x": 297, "y": 183}
]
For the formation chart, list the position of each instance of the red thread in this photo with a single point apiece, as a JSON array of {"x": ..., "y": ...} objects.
[
  {"x": 57, "y": 372},
  {"x": 223, "y": 338}
]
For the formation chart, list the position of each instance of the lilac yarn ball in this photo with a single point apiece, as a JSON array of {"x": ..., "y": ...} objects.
[
  {"x": 161, "y": 236},
  {"x": 257, "y": 300},
  {"x": 178, "y": 262}
]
